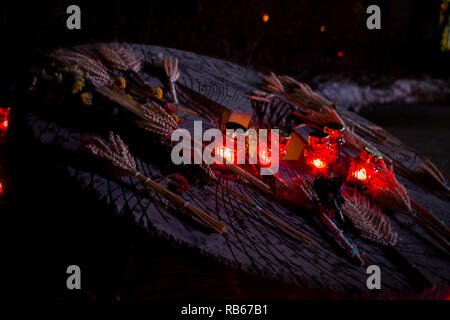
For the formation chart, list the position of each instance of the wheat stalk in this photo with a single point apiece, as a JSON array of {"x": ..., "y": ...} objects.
[
  {"x": 369, "y": 219},
  {"x": 120, "y": 58},
  {"x": 282, "y": 224},
  {"x": 152, "y": 116},
  {"x": 123, "y": 163},
  {"x": 173, "y": 73},
  {"x": 96, "y": 73}
]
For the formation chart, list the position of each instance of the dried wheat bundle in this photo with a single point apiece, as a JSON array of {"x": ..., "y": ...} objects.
[
  {"x": 118, "y": 57},
  {"x": 123, "y": 163},
  {"x": 369, "y": 219},
  {"x": 306, "y": 187},
  {"x": 173, "y": 73},
  {"x": 96, "y": 73},
  {"x": 152, "y": 116},
  {"x": 390, "y": 193}
]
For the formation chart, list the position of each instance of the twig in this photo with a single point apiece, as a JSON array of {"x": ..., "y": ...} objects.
[{"x": 288, "y": 228}]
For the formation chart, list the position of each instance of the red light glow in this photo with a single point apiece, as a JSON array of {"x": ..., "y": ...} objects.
[
  {"x": 4, "y": 118},
  {"x": 340, "y": 54},
  {"x": 319, "y": 164},
  {"x": 360, "y": 174},
  {"x": 1, "y": 190},
  {"x": 226, "y": 153},
  {"x": 264, "y": 156}
]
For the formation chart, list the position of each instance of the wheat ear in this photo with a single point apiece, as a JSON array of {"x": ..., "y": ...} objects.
[{"x": 123, "y": 162}]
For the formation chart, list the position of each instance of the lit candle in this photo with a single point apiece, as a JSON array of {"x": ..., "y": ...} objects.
[
  {"x": 4, "y": 119},
  {"x": 319, "y": 153},
  {"x": 365, "y": 168},
  {"x": 336, "y": 132}
]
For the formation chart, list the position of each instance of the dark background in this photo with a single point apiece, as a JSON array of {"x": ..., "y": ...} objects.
[{"x": 290, "y": 42}]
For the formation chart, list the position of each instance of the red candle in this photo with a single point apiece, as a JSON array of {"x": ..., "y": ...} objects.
[
  {"x": 4, "y": 119},
  {"x": 365, "y": 169},
  {"x": 319, "y": 153},
  {"x": 336, "y": 132},
  {"x": 284, "y": 139},
  {"x": 231, "y": 145}
]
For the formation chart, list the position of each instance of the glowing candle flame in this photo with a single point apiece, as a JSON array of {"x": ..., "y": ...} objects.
[
  {"x": 225, "y": 153},
  {"x": 264, "y": 155},
  {"x": 319, "y": 163},
  {"x": 360, "y": 174},
  {"x": 265, "y": 17}
]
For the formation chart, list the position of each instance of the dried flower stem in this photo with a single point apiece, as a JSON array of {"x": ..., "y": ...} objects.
[
  {"x": 285, "y": 226},
  {"x": 198, "y": 213},
  {"x": 173, "y": 73}
]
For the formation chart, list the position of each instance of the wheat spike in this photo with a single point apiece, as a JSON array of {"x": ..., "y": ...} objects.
[
  {"x": 172, "y": 73},
  {"x": 152, "y": 116},
  {"x": 118, "y": 57},
  {"x": 369, "y": 219},
  {"x": 96, "y": 73},
  {"x": 123, "y": 163}
]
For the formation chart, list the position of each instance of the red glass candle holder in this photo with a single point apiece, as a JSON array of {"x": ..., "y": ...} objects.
[
  {"x": 265, "y": 150},
  {"x": 284, "y": 138},
  {"x": 231, "y": 146},
  {"x": 336, "y": 132},
  {"x": 4, "y": 119},
  {"x": 319, "y": 153},
  {"x": 365, "y": 169}
]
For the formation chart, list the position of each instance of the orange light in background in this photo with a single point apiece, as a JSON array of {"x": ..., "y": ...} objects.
[
  {"x": 340, "y": 54},
  {"x": 322, "y": 28},
  {"x": 265, "y": 17}
]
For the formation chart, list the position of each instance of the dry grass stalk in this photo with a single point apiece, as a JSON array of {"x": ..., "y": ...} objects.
[
  {"x": 173, "y": 73},
  {"x": 96, "y": 73},
  {"x": 120, "y": 58},
  {"x": 249, "y": 177},
  {"x": 282, "y": 224},
  {"x": 152, "y": 116},
  {"x": 369, "y": 219},
  {"x": 123, "y": 163}
]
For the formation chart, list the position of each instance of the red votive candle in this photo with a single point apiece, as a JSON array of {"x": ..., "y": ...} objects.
[
  {"x": 363, "y": 170},
  {"x": 319, "y": 153}
]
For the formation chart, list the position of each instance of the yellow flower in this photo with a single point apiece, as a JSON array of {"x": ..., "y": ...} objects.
[
  {"x": 120, "y": 82},
  {"x": 86, "y": 97},
  {"x": 157, "y": 93},
  {"x": 77, "y": 87},
  {"x": 175, "y": 117}
]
